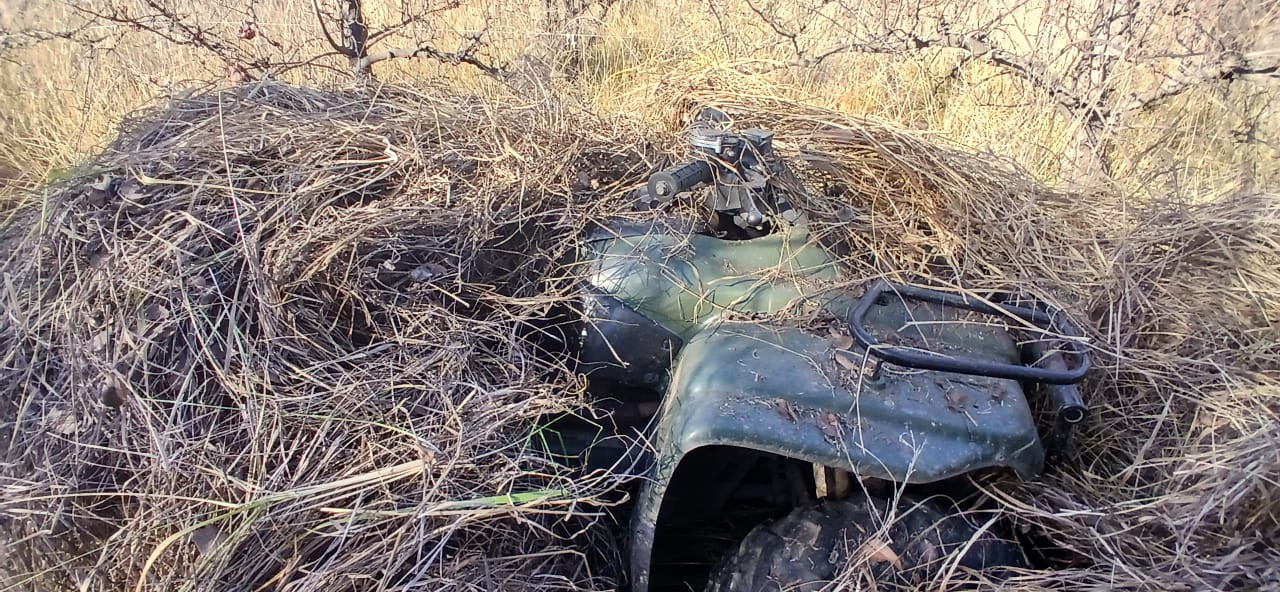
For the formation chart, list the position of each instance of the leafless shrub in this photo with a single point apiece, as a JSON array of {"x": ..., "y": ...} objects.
[
  {"x": 249, "y": 51},
  {"x": 1096, "y": 62}
]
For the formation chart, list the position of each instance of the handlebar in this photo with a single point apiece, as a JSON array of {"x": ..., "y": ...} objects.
[{"x": 680, "y": 178}]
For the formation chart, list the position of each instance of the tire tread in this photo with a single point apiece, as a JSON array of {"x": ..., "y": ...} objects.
[{"x": 805, "y": 549}]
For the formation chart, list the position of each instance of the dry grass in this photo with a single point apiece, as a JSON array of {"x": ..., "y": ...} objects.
[
  {"x": 65, "y": 101},
  {"x": 270, "y": 336},
  {"x": 227, "y": 349},
  {"x": 241, "y": 360}
]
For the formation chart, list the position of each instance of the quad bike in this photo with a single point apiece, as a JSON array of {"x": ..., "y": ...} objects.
[{"x": 794, "y": 429}]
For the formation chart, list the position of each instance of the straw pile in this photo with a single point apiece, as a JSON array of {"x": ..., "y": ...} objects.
[{"x": 277, "y": 338}]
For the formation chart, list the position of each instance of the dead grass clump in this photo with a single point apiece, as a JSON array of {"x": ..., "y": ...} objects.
[
  {"x": 274, "y": 338},
  {"x": 270, "y": 339}
]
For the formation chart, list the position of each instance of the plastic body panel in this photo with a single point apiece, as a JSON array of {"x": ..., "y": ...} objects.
[
  {"x": 685, "y": 281},
  {"x": 745, "y": 378},
  {"x": 780, "y": 390}
]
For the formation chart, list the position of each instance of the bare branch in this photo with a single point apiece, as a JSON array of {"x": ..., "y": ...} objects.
[
  {"x": 1232, "y": 67},
  {"x": 778, "y": 28},
  {"x": 463, "y": 56},
  {"x": 466, "y": 54},
  {"x": 174, "y": 28},
  {"x": 16, "y": 40},
  {"x": 324, "y": 29},
  {"x": 1028, "y": 70},
  {"x": 977, "y": 48},
  {"x": 316, "y": 61},
  {"x": 252, "y": 24},
  {"x": 409, "y": 18}
]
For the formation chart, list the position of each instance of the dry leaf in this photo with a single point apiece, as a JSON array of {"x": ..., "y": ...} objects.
[
  {"x": 841, "y": 340},
  {"x": 61, "y": 421},
  {"x": 848, "y": 360},
  {"x": 112, "y": 395},
  {"x": 877, "y": 550},
  {"x": 957, "y": 401},
  {"x": 103, "y": 183},
  {"x": 208, "y": 538},
  {"x": 831, "y": 425},
  {"x": 786, "y": 409},
  {"x": 427, "y": 271},
  {"x": 130, "y": 191},
  {"x": 929, "y": 553},
  {"x": 155, "y": 312}
]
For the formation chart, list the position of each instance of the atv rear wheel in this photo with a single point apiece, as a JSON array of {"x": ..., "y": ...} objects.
[{"x": 807, "y": 549}]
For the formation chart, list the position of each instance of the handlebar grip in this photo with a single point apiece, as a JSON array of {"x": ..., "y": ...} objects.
[{"x": 665, "y": 184}]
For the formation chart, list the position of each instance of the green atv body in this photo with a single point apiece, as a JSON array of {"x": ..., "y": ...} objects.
[{"x": 761, "y": 344}]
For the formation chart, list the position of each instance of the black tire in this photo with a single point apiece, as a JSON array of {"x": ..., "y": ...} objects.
[{"x": 807, "y": 549}]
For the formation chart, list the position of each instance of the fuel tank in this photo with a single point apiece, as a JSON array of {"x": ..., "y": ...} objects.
[
  {"x": 683, "y": 280},
  {"x": 653, "y": 287}
]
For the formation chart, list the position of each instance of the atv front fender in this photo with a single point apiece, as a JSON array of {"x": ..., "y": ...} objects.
[{"x": 780, "y": 389}]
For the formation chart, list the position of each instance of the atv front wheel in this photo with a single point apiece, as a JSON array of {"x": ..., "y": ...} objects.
[{"x": 848, "y": 540}]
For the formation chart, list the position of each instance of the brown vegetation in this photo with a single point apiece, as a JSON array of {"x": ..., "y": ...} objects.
[
  {"x": 270, "y": 336},
  {"x": 1162, "y": 98}
]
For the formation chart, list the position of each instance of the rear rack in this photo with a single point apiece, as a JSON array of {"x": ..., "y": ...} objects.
[
  {"x": 1067, "y": 371},
  {"x": 1046, "y": 365}
]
